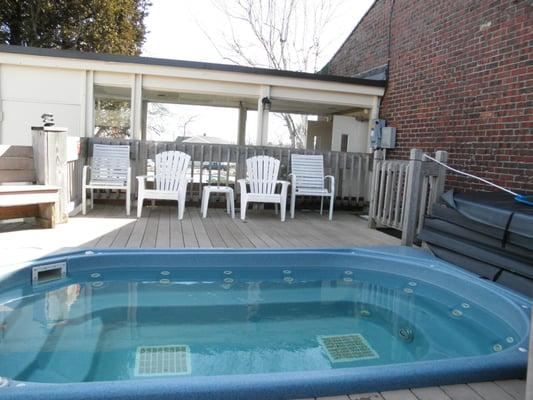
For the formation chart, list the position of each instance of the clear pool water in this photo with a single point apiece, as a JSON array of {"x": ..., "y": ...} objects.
[{"x": 241, "y": 313}]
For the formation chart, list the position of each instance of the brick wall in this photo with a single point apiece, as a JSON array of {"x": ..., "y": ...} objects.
[{"x": 460, "y": 79}]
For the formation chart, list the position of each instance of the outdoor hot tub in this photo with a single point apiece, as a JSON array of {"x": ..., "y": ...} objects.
[{"x": 261, "y": 324}]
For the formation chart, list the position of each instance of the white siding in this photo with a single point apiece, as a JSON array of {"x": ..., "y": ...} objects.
[
  {"x": 357, "y": 132},
  {"x": 28, "y": 92}
]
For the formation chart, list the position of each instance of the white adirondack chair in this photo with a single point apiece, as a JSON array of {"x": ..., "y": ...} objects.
[
  {"x": 263, "y": 180},
  {"x": 170, "y": 180},
  {"x": 109, "y": 169},
  {"x": 307, "y": 179}
]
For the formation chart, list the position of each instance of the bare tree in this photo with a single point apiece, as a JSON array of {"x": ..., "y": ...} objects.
[
  {"x": 165, "y": 123},
  {"x": 156, "y": 125},
  {"x": 279, "y": 34},
  {"x": 185, "y": 121}
]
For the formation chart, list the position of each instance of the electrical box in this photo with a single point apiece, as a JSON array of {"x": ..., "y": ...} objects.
[
  {"x": 375, "y": 133},
  {"x": 381, "y": 136},
  {"x": 388, "y": 137}
]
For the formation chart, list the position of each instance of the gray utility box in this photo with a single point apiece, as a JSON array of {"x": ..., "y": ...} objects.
[
  {"x": 388, "y": 137},
  {"x": 381, "y": 136}
]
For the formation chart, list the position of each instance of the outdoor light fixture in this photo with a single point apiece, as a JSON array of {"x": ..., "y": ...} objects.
[
  {"x": 267, "y": 103},
  {"x": 48, "y": 119}
]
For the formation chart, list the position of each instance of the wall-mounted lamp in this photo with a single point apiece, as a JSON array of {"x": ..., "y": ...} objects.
[
  {"x": 267, "y": 103},
  {"x": 48, "y": 119}
]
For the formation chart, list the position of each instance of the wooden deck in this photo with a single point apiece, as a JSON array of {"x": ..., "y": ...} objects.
[
  {"x": 108, "y": 226},
  {"x": 500, "y": 390}
]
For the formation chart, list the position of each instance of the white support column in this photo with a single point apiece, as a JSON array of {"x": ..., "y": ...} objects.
[
  {"x": 88, "y": 123},
  {"x": 136, "y": 107},
  {"x": 144, "y": 119},
  {"x": 262, "y": 118},
  {"x": 374, "y": 114},
  {"x": 241, "y": 132}
]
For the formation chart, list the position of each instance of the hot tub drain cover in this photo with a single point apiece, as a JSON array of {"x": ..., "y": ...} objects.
[
  {"x": 162, "y": 360},
  {"x": 345, "y": 348}
]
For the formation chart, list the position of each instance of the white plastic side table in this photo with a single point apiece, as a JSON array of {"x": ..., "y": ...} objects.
[{"x": 218, "y": 189}]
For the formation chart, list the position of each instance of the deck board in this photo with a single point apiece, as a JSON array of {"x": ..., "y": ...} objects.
[
  {"x": 150, "y": 233},
  {"x": 108, "y": 226},
  {"x": 432, "y": 393},
  {"x": 404, "y": 394},
  {"x": 163, "y": 229},
  {"x": 366, "y": 396},
  {"x": 461, "y": 392},
  {"x": 176, "y": 230},
  {"x": 514, "y": 387},
  {"x": 490, "y": 391},
  {"x": 199, "y": 229},
  {"x": 189, "y": 236},
  {"x": 137, "y": 234}
]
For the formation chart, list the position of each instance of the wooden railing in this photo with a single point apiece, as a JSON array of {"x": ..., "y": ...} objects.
[
  {"x": 389, "y": 181},
  {"x": 403, "y": 192},
  {"x": 74, "y": 177},
  {"x": 224, "y": 164}
]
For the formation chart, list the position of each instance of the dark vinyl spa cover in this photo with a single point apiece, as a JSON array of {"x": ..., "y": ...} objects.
[{"x": 489, "y": 234}]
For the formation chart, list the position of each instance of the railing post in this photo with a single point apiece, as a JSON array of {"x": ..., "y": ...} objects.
[
  {"x": 440, "y": 179},
  {"x": 50, "y": 158},
  {"x": 412, "y": 200},
  {"x": 374, "y": 189}
]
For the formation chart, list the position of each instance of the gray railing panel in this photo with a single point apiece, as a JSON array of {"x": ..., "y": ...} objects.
[
  {"x": 403, "y": 192},
  {"x": 223, "y": 164}
]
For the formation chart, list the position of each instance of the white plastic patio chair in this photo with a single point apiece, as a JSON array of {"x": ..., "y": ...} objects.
[
  {"x": 170, "y": 180},
  {"x": 307, "y": 179},
  {"x": 262, "y": 172},
  {"x": 109, "y": 169}
]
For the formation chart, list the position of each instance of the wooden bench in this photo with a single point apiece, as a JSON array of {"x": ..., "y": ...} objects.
[
  {"x": 19, "y": 197},
  {"x": 23, "y": 201}
]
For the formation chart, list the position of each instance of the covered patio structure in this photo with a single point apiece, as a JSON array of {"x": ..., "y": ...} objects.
[{"x": 69, "y": 84}]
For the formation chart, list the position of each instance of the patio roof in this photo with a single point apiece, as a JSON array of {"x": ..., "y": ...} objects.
[
  {"x": 36, "y": 51},
  {"x": 66, "y": 83}
]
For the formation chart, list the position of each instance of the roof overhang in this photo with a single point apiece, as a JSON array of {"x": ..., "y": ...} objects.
[{"x": 189, "y": 82}]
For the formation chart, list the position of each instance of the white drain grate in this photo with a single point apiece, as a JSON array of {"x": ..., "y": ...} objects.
[
  {"x": 162, "y": 360},
  {"x": 345, "y": 348}
]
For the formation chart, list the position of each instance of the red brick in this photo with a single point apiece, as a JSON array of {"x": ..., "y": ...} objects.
[{"x": 455, "y": 82}]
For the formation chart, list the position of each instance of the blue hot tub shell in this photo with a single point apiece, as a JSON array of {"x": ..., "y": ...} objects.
[{"x": 507, "y": 364}]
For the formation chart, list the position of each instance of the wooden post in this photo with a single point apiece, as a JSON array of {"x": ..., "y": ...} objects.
[
  {"x": 50, "y": 158},
  {"x": 412, "y": 201},
  {"x": 438, "y": 188},
  {"x": 374, "y": 188}
]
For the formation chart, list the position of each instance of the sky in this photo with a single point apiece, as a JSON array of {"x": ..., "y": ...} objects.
[{"x": 176, "y": 30}]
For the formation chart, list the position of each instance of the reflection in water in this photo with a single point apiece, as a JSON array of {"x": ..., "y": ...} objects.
[
  {"x": 251, "y": 326},
  {"x": 4, "y": 312},
  {"x": 56, "y": 306}
]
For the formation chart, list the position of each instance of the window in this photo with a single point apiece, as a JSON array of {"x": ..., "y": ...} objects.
[{"x": 344, "y": 142}]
